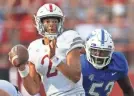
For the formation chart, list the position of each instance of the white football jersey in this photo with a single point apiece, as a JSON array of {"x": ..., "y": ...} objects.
[{"x": 55, "y": 83}]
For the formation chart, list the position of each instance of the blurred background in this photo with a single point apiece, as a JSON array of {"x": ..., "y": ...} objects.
[{"x": 17, "y": 26}]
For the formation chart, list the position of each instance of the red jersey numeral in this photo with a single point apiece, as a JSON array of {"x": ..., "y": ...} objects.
[{"x": 49, "y": 73}]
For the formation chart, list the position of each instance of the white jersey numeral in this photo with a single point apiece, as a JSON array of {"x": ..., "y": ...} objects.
[{"x": 93, "y": 87}]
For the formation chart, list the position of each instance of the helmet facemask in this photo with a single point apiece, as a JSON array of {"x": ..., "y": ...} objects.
[{"x": 99, "y": 58}]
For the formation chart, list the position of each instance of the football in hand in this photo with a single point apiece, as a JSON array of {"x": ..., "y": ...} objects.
[{"x": 18, "y": 55}]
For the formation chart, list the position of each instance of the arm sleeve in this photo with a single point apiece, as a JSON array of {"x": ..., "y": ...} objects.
[
  {"x": 125, "y": 67},
  {"x": 122, "y": 64},
  {"x": 70, "y": 40}
]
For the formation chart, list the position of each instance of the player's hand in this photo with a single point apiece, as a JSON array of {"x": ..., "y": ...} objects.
[
  {"x": 52, "y": 46},
  {"x": 18, "y": 55}
]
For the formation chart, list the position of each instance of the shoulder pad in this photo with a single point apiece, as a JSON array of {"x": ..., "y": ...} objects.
[
  {"x": 34, "y": 44},
  {"x": 120, "y": 62},
  {"x": 69, "y": 40}
]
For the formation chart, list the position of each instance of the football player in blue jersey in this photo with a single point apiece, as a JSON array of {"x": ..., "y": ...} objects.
[{"x": 102, "y": 66}]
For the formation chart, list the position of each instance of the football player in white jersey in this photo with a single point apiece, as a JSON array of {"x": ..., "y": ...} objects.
[{"x": 55, "y": 58}]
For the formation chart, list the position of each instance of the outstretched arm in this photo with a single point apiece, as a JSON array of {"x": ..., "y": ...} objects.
[{"x": 72, "y": 67}]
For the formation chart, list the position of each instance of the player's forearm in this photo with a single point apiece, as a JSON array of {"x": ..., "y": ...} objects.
[
  {"x": 31, "y": 85},
  {"x": 70, "y": 72}
]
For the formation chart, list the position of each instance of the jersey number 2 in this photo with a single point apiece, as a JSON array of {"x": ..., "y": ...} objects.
[
  {"x": 93, "y": 87},
  {"x": 49, "y": 73}
]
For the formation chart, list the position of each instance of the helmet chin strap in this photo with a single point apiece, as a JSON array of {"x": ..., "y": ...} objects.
[{"x": 51, "y": 36}]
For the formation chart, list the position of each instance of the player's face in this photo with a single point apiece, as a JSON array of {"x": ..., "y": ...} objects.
[
  {"x": 99, "y": 55},
  {"x": 51, "y": 25}
]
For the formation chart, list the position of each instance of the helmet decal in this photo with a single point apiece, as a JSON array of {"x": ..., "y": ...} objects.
[
  {"x": 102, "y": 37},
  {"x": 51, "y": 7}
]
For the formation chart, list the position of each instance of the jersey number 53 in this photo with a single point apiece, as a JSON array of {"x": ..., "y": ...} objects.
[{"x": 107, "y": 88}]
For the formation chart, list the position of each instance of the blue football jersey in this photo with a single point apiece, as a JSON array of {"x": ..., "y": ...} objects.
[{"x": 100, "y": 82}]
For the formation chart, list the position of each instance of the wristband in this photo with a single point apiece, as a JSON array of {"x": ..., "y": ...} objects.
[
  {"x": 14, "y": 57},
  {"x": 25, "y": 72},
  {"x": 56, "y": 61}
]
